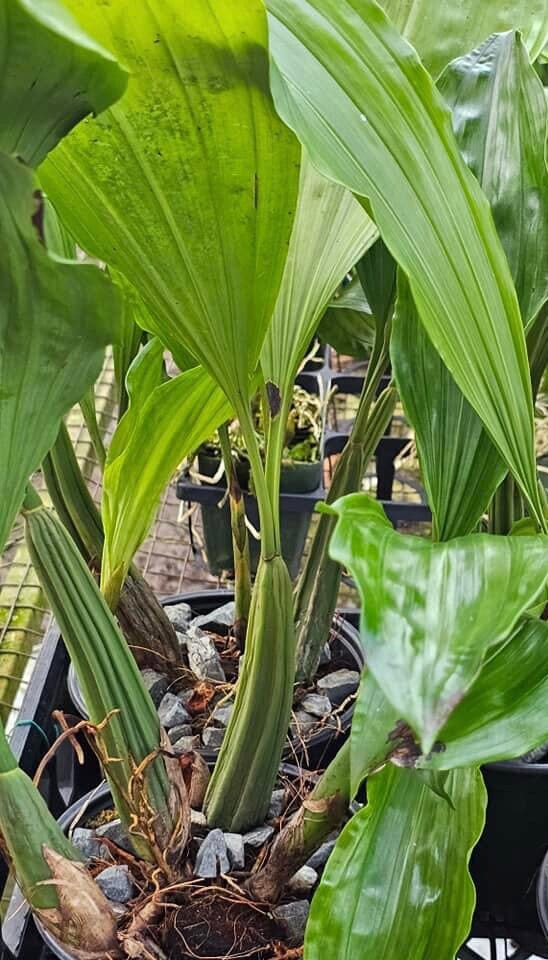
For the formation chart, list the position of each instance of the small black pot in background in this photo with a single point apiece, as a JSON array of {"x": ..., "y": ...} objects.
[
  {"x": 506, "y": 862},
  {"x": 322, "y": 746}
]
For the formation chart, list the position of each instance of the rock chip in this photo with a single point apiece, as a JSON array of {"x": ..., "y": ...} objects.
[
  {"x": 212, "y": 858},
  {"x": 222, "y": 715},
  {"x": 116, "y": 833},
  {"x": 197, "y": 818},
  {"x": 116, "y": 883},
  {"x": 302, "y": 723},
  {"x": 221, "y": 617},
  {"x": 172, "y": 712},
  {"x": 317, "y": 704},
  {"x": 339, "y": 685},
  {"x": 277, "y": 804},
  {"x": 213, "y": 737},
  {"x": 182, "y": 730},
  {"x": 156, "y": 684},
  {"x": 203, "y": 657},
  {"x": 185, "y": 745},
  {"x": 292, "y": 918},
  {"x": 321, "y": 856},
  {"x": 302, "y": 882},
  {"x": 89, "y": 845},
  {"x": 180, "y": 615},
  {"x": 236, "y": 850},
  {"x": 255, "y": 838}
]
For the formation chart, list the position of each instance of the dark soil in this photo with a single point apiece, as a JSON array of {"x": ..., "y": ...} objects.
[{"x": 218, "y": 925}]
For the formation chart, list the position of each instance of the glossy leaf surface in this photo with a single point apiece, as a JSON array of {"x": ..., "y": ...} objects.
[
  {"x": 56, "y": 318},
  {"x": 431, "y": 612},
  {"x": 348, "y": 324},
  {"x": 397, "y": 882},
  {"x": 441, "y": 32},
  {"x": 188, "y": 186},
  {"x": 53, "y": 75},
  {"x": 504, "y": 713},
  {"x": 165, "y": 421},
  {"x": 499, "y": 116},
  {"x": 330, "y": 233},
  {"x": 370, "y": 117}
]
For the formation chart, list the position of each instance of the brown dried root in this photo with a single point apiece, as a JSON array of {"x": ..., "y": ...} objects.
[
  {"x": 196, "y": 776},
  {"x": 83, "y": 922}
]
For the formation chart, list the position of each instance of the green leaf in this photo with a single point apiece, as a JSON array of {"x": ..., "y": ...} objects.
[
  {"x": 348, "y": 324},
  {"x": 370, "y": 117},
  {"x": 397, "y": 882},
  {"x": 461, "y": 468},
  {"x": 331, "y": 231},
  {"x": 431, "y": 612},
  {"x": 377, "y": 273},
  {"x": 56, "y": 317},
  {"x": 441, "y": 32},
  {"x": 53, "y": 75},
  {"x": 499, "y": 118},
  {"x": 187, "y": 186},
  {"x": 165, "y": 421},
  {"x": 376, "y": 732},
  {"x": 504, "y": 713}
]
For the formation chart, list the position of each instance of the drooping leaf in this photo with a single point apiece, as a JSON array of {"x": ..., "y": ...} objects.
[
  {"x": 188, "y": 186},
  {"x": 348, "y": 324},
  {"x": 377, "y": 273},
  {"x": 499, "y": 118},
  {"x": 56, "y": 318},
  {"x": 165, "y": 421},
  {"x": 370, "y": 117},
  {"x": 375, "y": 733},
  {"x": 441, "y": 32},
  {"x": 431, "y": 612},
  {"x": 331, "y": 231},
  {"x": 53, "y": 75},
  {"x": 397, "y": 882},
  {"x": 504, "y": 713}
]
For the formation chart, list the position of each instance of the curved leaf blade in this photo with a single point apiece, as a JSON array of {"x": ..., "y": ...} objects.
[
  {"x": 504, "y": 713},
  {"x": 397, "y": 882},
  {"x": 53, "y": 75},
  {"x": 370, "y": 117},
  {"x": 443, "y": 31},
  {"x": 432, "y": 611},
  {"x": 330, "y": 233},
  {"x": 348, "y": 324},
  {"x": 499, "y": 117},
  {"x": 178, "y": 414},
  {"x": 187, "y": 186},
  {"x": 56, "y": 318}
]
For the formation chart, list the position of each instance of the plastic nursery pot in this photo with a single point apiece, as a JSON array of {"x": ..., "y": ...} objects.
[
  {"x": 542, "y": 896},
  {"x": 506, "y": 862},
  {"x": 295, "y": 478},
  {"x": 346, "y": 650}
]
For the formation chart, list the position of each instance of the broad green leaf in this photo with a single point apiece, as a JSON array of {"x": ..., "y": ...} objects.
[
  {"x": 331, "y": 231},
  {"x": 165, "y": 421},
  {"x": 499, "y": 118},
  {"x": 504, "y": 713},
  {"x": 348, "y": 324},
  {"x": 397, "y": 882},
  {"x": 376, "y": 732},
  {"x": 431, "y": 612},
  {"x": 440, "y": 32},
  {"x": 377, "y": 273},
  {"x": 56, "y": 318},
  {"x": 371, "y": 118},
  {"x": 460, "y": 467},
  {"x": 134, "y": 322},
  {"x": 188, "y": 185},
  {"x": 53, "y": 75}
]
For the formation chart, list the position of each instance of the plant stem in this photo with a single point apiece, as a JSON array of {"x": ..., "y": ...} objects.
[
  {"x": 506, "y": 507},
  {"x": 318, "y": 587},
  {"x": 241, "y": 784},
  {"x": 240, "y": 540},
  {"x": 89, "y": 412},
  {"x": 146, "y": 626},
  {"x": 322, "y": 812}
]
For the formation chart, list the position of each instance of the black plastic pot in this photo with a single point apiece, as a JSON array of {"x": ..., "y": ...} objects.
[
  {"x": 322, "y": 746},
  {"x": 507, "y": 861},
  {"x": 542, "y": 896},
  {"x": 295, "y": 478}
]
